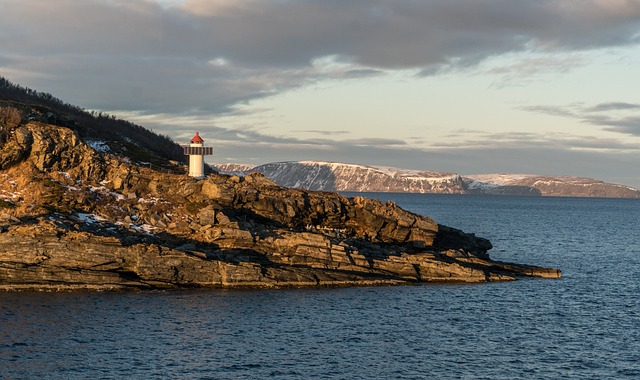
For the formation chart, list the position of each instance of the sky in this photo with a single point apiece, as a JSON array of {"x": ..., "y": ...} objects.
[{"x": 468, "y": 86}]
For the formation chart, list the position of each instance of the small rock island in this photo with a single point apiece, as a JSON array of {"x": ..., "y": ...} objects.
[{"x": 75, "y": 217}]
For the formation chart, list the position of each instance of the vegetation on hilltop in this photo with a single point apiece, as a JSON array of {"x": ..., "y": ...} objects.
[{"x": 90, "y": 125}]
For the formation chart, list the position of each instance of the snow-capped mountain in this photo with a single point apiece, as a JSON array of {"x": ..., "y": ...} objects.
[
  {"x": 562, "y": 186},
  {"x": 231, "y": 168},
  {"x": 332, "y": 176}
]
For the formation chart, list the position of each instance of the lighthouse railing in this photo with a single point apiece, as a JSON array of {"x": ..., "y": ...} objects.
[{"x": 198, "y": 150}]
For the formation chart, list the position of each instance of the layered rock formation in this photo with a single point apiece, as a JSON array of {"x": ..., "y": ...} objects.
[{"x": 71, "y": 217}]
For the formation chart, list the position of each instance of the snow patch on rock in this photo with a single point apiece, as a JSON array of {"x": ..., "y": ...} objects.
[
  {"x": 500, "y": 179},
  {"x": 99, "y": 146}
]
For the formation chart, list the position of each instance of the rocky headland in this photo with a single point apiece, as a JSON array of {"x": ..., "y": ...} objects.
[{"x": 73, "y": 217}]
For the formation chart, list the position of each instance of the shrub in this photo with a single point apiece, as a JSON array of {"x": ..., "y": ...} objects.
[
  {"x": 10, "y": 117},
  {"x": 6, "y": 204}
]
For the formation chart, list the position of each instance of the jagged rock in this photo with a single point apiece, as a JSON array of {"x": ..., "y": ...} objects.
[
  {"x": 9, "y": 218},
  {"x": 207, "y": 216},
  {"x": 259, "y": 178},
  {"x": 180, "y": 229},
  {"x": 78, "y": 231},
  {"x": 213, "y": 190},
  {"x": 221, "y": 218}
]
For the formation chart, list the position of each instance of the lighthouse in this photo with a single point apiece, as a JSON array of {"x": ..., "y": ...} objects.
[{"x": 196, "y": 152}]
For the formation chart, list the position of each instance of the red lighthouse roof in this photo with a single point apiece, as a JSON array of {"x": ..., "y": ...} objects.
[{"x": 197, "y": 139}]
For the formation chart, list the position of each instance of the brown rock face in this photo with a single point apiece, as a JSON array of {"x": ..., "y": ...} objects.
[{"x": 74, "y": 218}]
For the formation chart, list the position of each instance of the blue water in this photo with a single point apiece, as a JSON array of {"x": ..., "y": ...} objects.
[{"x": 585, "y": 325}]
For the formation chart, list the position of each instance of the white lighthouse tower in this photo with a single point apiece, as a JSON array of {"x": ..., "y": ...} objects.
[{"x": 196, "y": 152}]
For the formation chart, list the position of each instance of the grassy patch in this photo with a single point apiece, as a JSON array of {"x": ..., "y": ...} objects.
[
  {"x": 54, "y": 197},
  {"x": 6, "y": 204}
]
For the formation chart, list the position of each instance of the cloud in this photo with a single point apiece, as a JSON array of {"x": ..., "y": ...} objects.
[
  {"x": 321, "y": 132},
  {"x": 613, "y": 106},
  {"x": 566, "y": 111},
  {"x": 526, "y": 141},
  {"x": 613, "y": 116},
  {"x": 362, "y": 73},
  {"x": 371, "y": 141},
  {"x": 524, "y": 70},
  {"x": 209, "y": 56},
  {"x": 628, "y": 125},
  {"x": 253, "y": 137}
]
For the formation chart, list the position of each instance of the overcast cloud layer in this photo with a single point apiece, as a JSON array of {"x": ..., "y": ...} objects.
[
  {"x": 199, "y": 57},
  {"x": 212, "y": 54}
]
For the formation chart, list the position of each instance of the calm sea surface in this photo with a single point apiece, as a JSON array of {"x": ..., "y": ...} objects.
[{"x": 586, "y": 325}]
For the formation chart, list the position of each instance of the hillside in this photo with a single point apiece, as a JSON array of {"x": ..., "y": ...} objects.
[
  {"x": 118, "y": 136},
  {"x": 332, "y": 176}
]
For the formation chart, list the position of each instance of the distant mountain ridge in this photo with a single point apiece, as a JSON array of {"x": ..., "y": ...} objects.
[
  {"x": 561, "y": 186},
  {"x": 330, "y": 176},
  {"x": 333, "y": 176}
]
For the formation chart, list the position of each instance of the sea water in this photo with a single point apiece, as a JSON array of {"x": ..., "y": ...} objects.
[{"x": 585, "y": 325}]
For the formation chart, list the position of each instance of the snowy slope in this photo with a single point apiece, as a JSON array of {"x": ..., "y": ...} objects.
[
  {"x": 334, "y": 176},
  {"x": 231, "y": 168},
  {"x": 562, "y": 186},
  {"x": 497, "y": 179}
]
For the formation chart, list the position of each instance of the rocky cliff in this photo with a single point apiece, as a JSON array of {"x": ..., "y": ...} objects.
[
  {"x": 72, "y": 217},
  {"x": 331, "y": 176}
]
